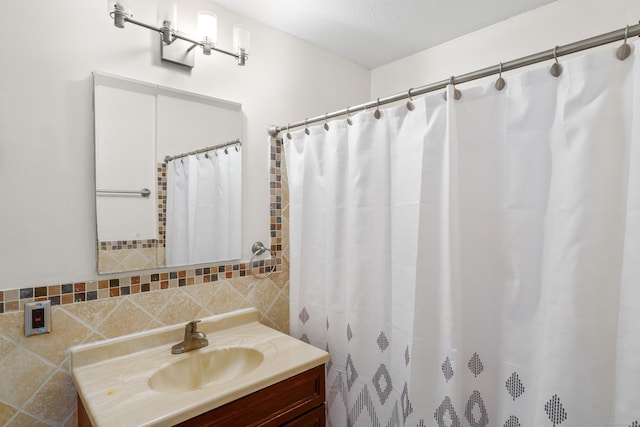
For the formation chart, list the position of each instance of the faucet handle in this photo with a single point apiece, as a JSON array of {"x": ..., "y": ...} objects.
[{"x": 191, "y": 327}]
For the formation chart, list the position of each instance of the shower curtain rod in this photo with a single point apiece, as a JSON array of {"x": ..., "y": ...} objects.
[
  {"x": 602, "y": 39},
  {"x": 167, "y": 159}
]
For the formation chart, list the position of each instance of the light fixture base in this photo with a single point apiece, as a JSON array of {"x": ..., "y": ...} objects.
[{"x": 179, "y": 52}]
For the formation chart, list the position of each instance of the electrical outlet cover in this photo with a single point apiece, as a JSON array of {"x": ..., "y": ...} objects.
[{"x": 37, "y": 318}]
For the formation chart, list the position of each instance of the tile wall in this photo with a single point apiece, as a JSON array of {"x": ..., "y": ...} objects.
[{"x": 35, "y": 382}]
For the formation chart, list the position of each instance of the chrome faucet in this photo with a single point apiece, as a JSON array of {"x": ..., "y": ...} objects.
[{"x": 193, "y": 339}]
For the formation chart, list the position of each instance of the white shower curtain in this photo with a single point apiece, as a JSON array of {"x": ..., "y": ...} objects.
[
  {"x": 477, "y": 262},
  {"x": 203, "y": 205}
]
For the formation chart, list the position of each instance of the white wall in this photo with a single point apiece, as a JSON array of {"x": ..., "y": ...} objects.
[
  {"x": 559, "y": 23},
  {"x": 48, "y": 51}
]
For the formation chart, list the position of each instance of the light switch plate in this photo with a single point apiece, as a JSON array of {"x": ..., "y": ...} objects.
[{"x": 37, "y": 318}]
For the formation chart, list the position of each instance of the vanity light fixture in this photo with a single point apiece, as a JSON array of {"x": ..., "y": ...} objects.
[{"x": 178, "y": 47}]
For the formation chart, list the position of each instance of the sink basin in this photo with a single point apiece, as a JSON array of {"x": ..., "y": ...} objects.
[
  {"x": 114, "y": 376},
  {"x": 199, "y": 369}
]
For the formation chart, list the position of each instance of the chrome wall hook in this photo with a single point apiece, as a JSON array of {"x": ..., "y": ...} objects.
[
  {"x": 500, "y": 82},
  {"x": 556, "y": 68},
  {"x": 624, "y": 51}
]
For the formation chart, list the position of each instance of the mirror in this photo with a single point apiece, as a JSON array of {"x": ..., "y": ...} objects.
[{"x": 168, "y": 176}]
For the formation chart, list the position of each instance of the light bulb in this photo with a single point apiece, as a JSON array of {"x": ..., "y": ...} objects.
[
  {"x": 168, "y": 13},
  {"x": 241, "y": 44},
  {"x": 241, "y": 40},
  {"x": 207, "y": 27}
]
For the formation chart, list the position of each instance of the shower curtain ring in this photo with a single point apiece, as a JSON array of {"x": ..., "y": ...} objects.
[
  {"x": 500, "y": 83},
  {"x": 326, "y": 125},
  {"x": 376, "y": 113},
  {"x": 306, "y": 126},
  {"x": 626, "y": 33},
  {"x": 456, "y": 93},
  {"x": 624, "y": 51},
  {"x": 410, "y": 105},
  {"x": 349, "y": 121},
  {"x": 288, "y": 133},
  {"x": 556, "y": 68}
]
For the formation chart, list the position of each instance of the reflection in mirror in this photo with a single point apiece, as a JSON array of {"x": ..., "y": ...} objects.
[
  {"x": 202, "y": 191},
  {"x": 168, "y": 176}
]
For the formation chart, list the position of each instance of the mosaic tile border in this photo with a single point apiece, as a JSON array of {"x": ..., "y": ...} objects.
[
  {"x": 161, "y": 178},
  {"x": 275, "y": 184},
  {"x": 69, "y": 293},
  {"x": 77, "y": 292},
  {"x": 117, "y": 245}
]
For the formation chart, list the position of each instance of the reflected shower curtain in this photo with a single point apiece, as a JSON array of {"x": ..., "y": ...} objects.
[
  {"x": 202, "y": 191},
  {"x": 477, "y": 262}
]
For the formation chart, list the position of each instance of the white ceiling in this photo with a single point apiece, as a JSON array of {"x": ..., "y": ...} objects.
[{"x": 375, "y": 32}]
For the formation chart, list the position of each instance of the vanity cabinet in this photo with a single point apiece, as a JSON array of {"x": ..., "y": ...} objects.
[
  {"x": 294, "y": 402},
  {"x": 253, "y": 376}
]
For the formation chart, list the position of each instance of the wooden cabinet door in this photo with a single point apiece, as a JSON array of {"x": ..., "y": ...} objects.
[{"x": 273, "y": 406}]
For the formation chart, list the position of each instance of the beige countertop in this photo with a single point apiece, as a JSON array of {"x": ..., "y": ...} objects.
[{"x": 113, "y": 376}]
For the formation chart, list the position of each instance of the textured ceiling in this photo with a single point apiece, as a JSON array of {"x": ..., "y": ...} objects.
[{"x": 375, "y": 32}]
